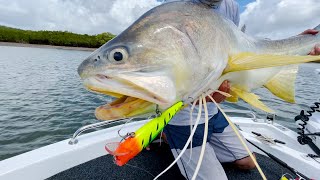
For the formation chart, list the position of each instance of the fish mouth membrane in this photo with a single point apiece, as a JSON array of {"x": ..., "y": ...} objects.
[{"x": 123, "y": 105}]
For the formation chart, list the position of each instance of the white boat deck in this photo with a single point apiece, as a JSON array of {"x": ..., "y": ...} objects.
[{"x": 58, "y": 157}]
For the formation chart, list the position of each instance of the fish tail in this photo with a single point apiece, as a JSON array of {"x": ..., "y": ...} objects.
[{"x": 296, "y": 45}]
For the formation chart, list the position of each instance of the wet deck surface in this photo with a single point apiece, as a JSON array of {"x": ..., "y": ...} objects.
[{"x": 150, "y": 163}]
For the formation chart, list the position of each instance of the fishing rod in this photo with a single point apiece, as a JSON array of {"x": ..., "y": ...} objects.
[{"x": 277, "y": 160}]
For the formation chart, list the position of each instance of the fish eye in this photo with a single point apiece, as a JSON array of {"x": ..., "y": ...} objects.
[{"x": 118, "y": 54}]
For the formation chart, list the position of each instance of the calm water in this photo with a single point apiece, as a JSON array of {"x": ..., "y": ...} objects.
[{"x": 42, "y": 99}]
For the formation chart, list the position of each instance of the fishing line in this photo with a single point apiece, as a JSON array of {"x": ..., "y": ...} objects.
[
  {"x": 188, "y": 141},
  {"x": 223, "y": 93},
  {"x": 205, "y": 135},
  {"x": 137, "y": 167},
  {"x": 234, "y": 128},
  {"x": 174, "y": 145},
  {"x": 191, "y": 118}
]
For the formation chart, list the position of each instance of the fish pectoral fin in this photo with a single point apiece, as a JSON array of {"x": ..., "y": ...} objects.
[
  {"x": 248, "y": 61},
  {"x": 282, "y": 84},
  {"x": 233, "y": 98},
  {"x": 252, "y": 99}
]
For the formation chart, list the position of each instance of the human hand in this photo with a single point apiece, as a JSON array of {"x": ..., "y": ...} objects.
[
  {"x": 224, "y": 87},
  {"x": 316, "y": 50}
]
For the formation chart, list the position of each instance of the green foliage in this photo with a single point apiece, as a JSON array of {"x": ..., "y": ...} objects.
[{"x": 56, "y": 38}]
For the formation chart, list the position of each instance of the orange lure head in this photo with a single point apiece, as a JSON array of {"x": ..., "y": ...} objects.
[{"x": 125, "y": 151}]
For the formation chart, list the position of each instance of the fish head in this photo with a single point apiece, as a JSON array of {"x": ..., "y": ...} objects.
[{"x": 149, "y": 65}]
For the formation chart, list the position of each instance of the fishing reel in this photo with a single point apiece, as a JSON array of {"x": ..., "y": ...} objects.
[{"x": 302, "y": 121}]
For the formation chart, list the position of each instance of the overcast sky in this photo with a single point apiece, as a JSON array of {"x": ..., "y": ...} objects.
[
  {"x": 280, "y": 18},
  {"x": 264, "y": 18}
]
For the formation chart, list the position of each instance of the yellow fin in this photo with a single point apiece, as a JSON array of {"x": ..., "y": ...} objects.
[
  {"x": 252, "y": 99},
  {"x": 282, "y": 84},
  {"x": 233, "y": 98},
  {"x": 248, "y": 61}
]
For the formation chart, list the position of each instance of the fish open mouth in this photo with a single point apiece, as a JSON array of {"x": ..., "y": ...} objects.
[
  {"x": 124, "y": 107},
  {"x": 133, "y": 96}
]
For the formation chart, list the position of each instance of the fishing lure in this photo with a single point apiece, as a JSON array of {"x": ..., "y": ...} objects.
[{"x": 137, "y": 141}]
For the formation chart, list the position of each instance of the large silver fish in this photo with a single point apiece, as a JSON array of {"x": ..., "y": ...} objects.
[{"x": 180, "y": 50}]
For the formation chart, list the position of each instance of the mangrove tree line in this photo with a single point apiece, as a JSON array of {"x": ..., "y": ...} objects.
[{"x": 56, "y": 38}]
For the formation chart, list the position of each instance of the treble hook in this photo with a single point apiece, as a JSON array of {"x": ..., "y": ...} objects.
[
  {"x": 129, "y": 134},
  {"x": 122, "y": 136},
  {"x": 158, "y": 112}
]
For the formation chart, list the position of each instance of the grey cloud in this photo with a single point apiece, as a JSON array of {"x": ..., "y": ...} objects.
[
  {"x": 81, "y": 16},
  {"x": 264, "y": 18},
  {"x": 277, "y": 19}
]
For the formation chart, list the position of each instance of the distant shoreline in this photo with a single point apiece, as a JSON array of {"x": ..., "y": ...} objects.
[
  {"x": 46, "y": 46},
  {"x": 58, "y": 47}
]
